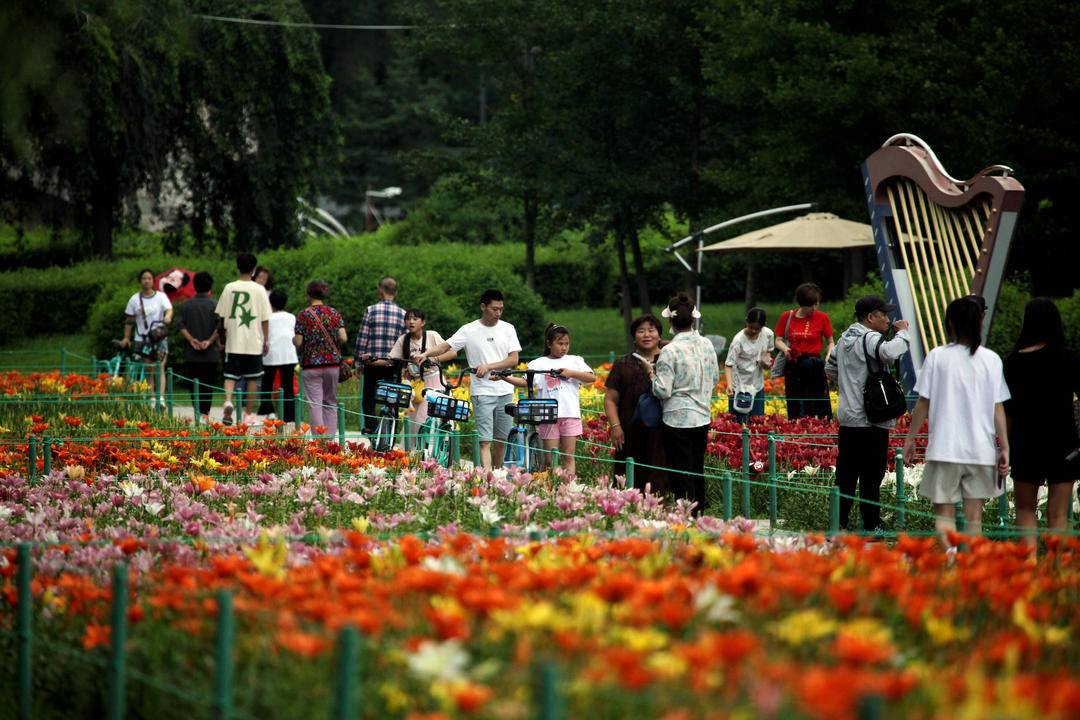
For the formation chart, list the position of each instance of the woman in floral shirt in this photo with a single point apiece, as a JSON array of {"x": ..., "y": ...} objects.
[
  {"x": 684, "y": 378},
  {"x": 317, "y": 328}
]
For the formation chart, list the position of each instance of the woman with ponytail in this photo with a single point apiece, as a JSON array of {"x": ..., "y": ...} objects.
[
  {"x": 961, "y": 390},
  {"x": 684, "y": 378}
]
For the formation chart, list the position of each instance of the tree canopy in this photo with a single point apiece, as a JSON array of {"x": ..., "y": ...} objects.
[{"x": 600, "y": 115}]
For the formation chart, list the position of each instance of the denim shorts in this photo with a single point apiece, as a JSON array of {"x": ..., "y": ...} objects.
[{"x": 492, "y": 422}]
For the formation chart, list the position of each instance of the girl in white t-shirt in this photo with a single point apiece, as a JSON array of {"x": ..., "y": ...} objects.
[
  {"x": 961, "y": 389},
  {"x": 149, "y": 313},
  {"x": 747, "y": 359},
  {"x": 279, "y": 360},
  {"x": 563, "y": 434},
  {"x": 419, "y": 340}
]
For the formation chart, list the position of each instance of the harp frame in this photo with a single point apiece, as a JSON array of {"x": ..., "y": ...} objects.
[{"x": 909, "y": 264}]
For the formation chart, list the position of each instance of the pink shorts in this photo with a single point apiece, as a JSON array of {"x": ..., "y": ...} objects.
[{"x": 565, "y": 427}]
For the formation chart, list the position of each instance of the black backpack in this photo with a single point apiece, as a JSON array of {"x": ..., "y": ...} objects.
[{"x": 883, "y": 398}]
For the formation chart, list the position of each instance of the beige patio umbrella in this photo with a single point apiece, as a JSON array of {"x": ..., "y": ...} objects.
[
  {"x": 811, "y": 232},
  {"x": 814, "y": 231}
]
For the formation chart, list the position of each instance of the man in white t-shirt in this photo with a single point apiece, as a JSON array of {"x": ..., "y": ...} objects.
[
  {"x": 244, "y": 310},
  {"x": 490, "y": 344},
  {"x": 149, "y": 313}
]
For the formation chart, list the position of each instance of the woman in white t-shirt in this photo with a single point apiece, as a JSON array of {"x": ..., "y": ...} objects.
[
  {"x": 279, "y": 360},
  {"x": 149, "y": 313},
  {"x": 419, "y": 340},
  {"x": 961, "y": 389},
  {"x": 747, "y": 359},
  {"x": 565, "y": 388}
]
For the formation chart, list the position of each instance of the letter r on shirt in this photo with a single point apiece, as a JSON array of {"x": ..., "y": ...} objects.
[{"x": 240, "y": 300}]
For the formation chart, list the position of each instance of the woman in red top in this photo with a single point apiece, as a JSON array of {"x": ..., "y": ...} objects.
[{"x": 805, "y": 384}]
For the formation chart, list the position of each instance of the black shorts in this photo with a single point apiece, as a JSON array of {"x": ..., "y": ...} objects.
[
  {"x": 1045, "y": 473},
  {"x": 238, "y": 366}
]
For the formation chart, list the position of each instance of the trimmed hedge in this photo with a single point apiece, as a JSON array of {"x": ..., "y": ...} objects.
[{"x": 445, "y": 281}]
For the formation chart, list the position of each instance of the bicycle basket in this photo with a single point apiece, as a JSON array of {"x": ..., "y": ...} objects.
[
  {"x": 393, "y": 394},
  {"x": 445, "y": 407},
  {"x": 539, "y": 411}
]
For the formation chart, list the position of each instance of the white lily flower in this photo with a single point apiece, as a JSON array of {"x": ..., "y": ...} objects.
[{"x": 439, "y": 661}]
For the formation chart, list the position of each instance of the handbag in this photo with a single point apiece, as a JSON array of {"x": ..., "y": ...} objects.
[
  {"x": 883, "y": 398},
  {"x": 743, "y": 402},
  {"x": 345, "y": 371},
  {"x": 779, "y": 363},
  {"x": 649, "y": 411}
]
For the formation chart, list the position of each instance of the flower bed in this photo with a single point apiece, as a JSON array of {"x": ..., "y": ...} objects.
[
  {"x": 638, "y": 608},
  {"x": 673, "y": 627}
]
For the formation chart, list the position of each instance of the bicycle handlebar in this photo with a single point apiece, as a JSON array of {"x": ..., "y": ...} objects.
[{"x": 557, "y": 372}]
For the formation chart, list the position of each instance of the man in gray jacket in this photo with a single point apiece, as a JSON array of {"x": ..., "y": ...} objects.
[{"x": 862, "y": 445}]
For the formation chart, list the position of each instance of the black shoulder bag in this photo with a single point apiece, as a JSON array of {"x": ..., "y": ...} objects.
[{"x": 883, "y": 398}]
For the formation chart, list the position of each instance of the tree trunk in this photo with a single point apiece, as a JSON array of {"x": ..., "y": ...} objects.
[
  {"x": 639, "y": 271},
  {"x": 531, "y": 206},
  {"x": 103, "y": 203},
  {"x": 624, "y": 283},
  {"x": 751, "y": 283}
]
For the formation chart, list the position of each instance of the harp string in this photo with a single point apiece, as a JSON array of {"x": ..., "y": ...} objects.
[{"x": 923, "y": 243}]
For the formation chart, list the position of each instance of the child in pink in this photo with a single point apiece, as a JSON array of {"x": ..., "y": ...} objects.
[{"x": 563, "y": 434}]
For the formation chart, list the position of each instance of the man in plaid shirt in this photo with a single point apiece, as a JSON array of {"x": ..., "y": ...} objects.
[{"x": 384, "y": 323}]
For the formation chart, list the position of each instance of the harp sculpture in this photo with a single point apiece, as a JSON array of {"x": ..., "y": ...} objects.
[{"x": 937, "y": 238}]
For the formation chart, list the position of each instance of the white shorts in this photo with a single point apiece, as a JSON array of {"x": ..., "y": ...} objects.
[{"x": 946, "y": 482}]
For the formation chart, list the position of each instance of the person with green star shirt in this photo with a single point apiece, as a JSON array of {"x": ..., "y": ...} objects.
[{"x": 244, "y": 315}]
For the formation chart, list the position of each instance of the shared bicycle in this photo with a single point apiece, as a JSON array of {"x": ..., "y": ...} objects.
[
  {"x": 437, "y": 436},
  {"x": 391, "y": 398},
  {"x": 524, "y": 448}
]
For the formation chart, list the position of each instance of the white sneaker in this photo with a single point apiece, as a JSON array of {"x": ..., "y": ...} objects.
[
  {"x": 250, "y": 419},
  {"x": 204, "y": 419},
  {"x": 227, "y": 414}
]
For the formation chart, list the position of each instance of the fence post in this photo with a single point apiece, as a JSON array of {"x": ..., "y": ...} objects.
[
  {"x": 772, "y": 481},
  {"x": 94, "y": 363},
  {"x": 118, "y": 644},
  {"x": 345, "y": 704},
  {"x": 727, "y": 494},
  {"x": 476, "y": 450},
  {"x": 901, "y": 489},
  {"x": 611, "y": 356},
  {"x": 46, "y": 455},
  {"x": 223, "y": 656},
  {"x": 31, "y": 458},
  {"x": 870, "y": 707},
  {"x": 279, "y": 406},
  {"x": 299, "y": 409},
  {"x": 550, "y": 701},
  {"x": 24, "y": 632},
  {"x": 961, "y": 519},
  {"x": 63, "y": 361},
  {"x": 630, "y": 472},
  {"x": 170, "y": 404},
  {"x": 455, "y": 448},
  {"x": 746, "y": 471},
  {"x": 834, "y": 510},
  {"x": 341, "y": 423},
  {"x": 195, "y": 397}
]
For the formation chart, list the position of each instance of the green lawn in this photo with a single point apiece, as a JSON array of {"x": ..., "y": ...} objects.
[
  {"x": 42, "y": 352},
  {"x": 596, "y": 332}
]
